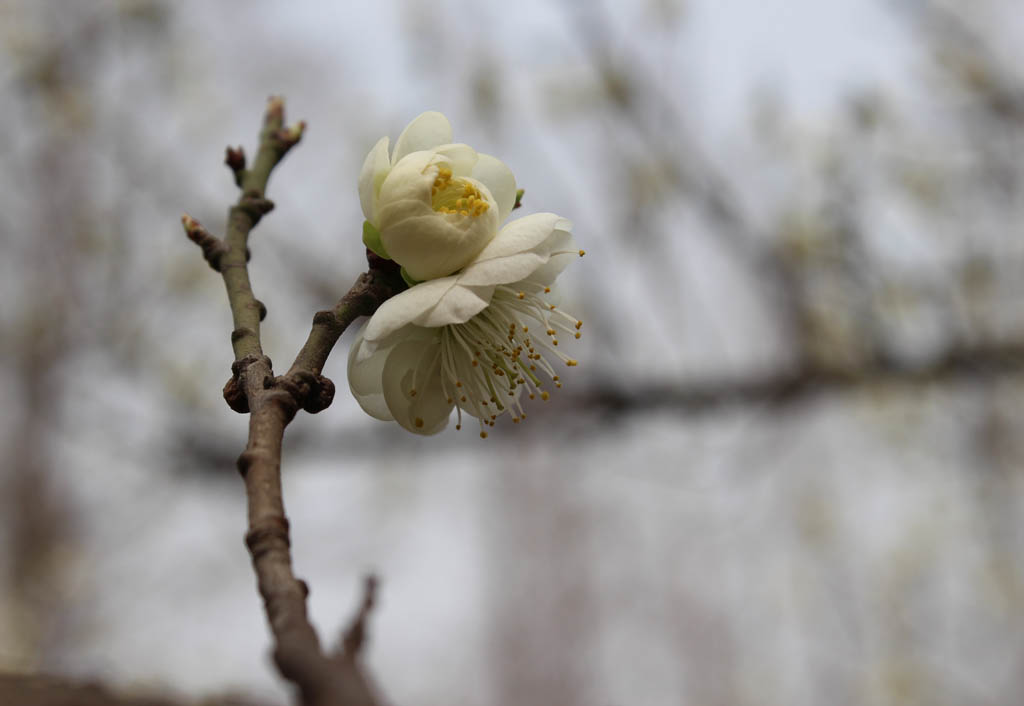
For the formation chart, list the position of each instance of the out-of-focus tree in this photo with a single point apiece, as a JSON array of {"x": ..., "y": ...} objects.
[{"x": 870, "y": 263}]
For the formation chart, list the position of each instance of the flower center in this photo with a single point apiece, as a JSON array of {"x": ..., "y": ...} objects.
[
  {"x": 456, "y": 195},
  {"x": 489, "y": 360}
]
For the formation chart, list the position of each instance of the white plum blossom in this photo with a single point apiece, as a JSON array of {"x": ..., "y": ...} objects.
[
  {"x": 432, "y": 205},
  {"x": 473, "y": 341}
]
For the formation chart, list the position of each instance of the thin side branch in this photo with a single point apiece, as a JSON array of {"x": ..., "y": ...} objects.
[
  {"x": 371, "y": 289},
  {"x": 212, "y": 246},
  {"x": 355, "y": 636}
]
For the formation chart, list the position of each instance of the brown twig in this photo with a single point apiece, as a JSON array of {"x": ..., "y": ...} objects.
[
  {"x": 272, "y": 403},
  {"x": 212, "y": 246},
  {"x": 355, "y": 636}
]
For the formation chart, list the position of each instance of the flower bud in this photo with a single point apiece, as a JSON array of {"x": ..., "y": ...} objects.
[
  {"x": 434, "y": 220},
  {"x": 435, "y": 205}
]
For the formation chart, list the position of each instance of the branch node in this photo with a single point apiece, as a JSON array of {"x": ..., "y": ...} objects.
[
  {"x": 255, "y": 206},
  {"x": 314, "y": 393},
  {"x": 320, "y": 396},
  {"x": 245, "y": 460},
  {"x": 323, "y": 318},
  {"x": 263, "y": 309},
  {"x": 310, "y": 391},
  {"x": 234, "y": 389},
  {"x": 269, "y": 532},
  {"x": 234, "y": 395},
  {"x": 241, "y": 332}
]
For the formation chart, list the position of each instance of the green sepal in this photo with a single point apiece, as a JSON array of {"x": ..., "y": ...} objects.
[
  {"x": 371, "y": 239},
  {"x": 408, "y": 278}
]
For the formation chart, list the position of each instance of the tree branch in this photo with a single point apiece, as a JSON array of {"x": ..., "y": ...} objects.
[
  {"x": 272, "y": 403},
  {"x": 375, "y": 286},
  {"x": 779, "y": 388}
]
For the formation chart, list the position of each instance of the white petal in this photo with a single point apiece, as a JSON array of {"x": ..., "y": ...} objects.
[
  {"x": 438, "y": 302},
  {"x": 523, "y": 234},
  {"x": 461, "y": 158},
  {"x": 457, "y": 306},
  {"x": 404, "y": 307},
  {"x": 403, "y": 333},
  {"x": 375, "y": 168},
  {"x": 502, "y": 270},
  {"x": 413, "y": 388},
  {"x": 364, "y": 379},
  {"x": 431, "y": 244},
  {"x": 427, "y": 130},
  {"x": 520, "y": 249},
  {"x": 499, "y": 180},
  {"x": 567, "y": 251},
  {"x": 408, "y": 180}
]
